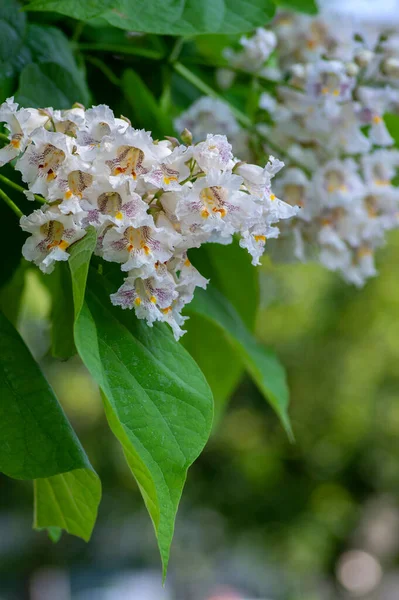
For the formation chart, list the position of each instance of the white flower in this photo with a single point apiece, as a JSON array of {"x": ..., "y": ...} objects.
[
  {"x": 207, "y": 115},
  {"x": 214, "y": 203},
  {"x": 337, "y": 183},
  {"x": 258, "y": 180},
  {"x": 171, "y": 171},
  {"x": 151, "y": 298},
  {"x": 374, "y": 104},
  {"x": 329, "y": 82},
  {"x": 138, "y": 248},
  {"x": 108, "y": 201},
  {"x": 43, "y": 158},
  {"x": 254, "y": 240},
  {"x": 294, "y": 187},
  {"x": 256, "y": 50},
  {"x": 214, "y": 153},
  {"x": 20, "y": 123},
  {"x": 52, "y": 234},
  {"x": 379, "y": 168}
]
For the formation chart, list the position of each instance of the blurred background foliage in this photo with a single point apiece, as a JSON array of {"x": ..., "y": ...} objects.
[{"x": 260, "y": 517}]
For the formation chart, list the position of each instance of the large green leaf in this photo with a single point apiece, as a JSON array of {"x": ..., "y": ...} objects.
[
  {"x": 13, "y": 54},
  {"x": 261, "y": 363},
  {"x": 305, "y": 6},
  {"x": 170, "y": 17},
  {"x": 156, "y": 399},
  {"x": 50, "y": 74},
  {"x": 230, "y": 271},
  {"x": 48, "y": 85},
  {"x": 36, "y": 437},
  {"x": 62, "y": 313},
  {"x": 218, "y": 360},
  {"x": 37, "y": 442},
  {"x": 68, "y": 501}
]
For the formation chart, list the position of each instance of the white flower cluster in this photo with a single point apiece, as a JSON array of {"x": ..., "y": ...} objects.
[
  {"x": 150, "y": 201},
  {"x": 333, "y": 81}
]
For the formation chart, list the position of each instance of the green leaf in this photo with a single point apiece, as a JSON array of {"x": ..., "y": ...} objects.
[
  {"x": 48, "y": 85},
  {"x": 156, "y": 399},
  {"x": 217, "y": 359},
  {"x": 146, "y": 111},
  {"x": 67, "y": 501},
  {"x": 11, "y": 294},
  {"x": 36, "y": 437},
  {"x": 225, "y": 266},
  {"x": 261, "y": 363},
  {"x": 89, "y": 9},
  {"x": 37, "y": 442},
  {"x": 54, "y": 534},
  {"x": 392, "y": 123},
  {"x": 49, "y": 45},
  {"x": 24, "y": 45},
  {"x": 79, "y": 262},
  {"x": 169, "y": 17},
  {"x": 62, "y": 313},
  {"x": 13, "y": 53},
  {"x": 306, "y": 6}
]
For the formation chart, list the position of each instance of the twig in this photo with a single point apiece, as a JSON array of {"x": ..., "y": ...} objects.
[
  {"x": 11, "y": 204},
  {"x": 19, "y": 188},
  {"x": 121, "y": 49},
  {"x": 204, "y": 87}
]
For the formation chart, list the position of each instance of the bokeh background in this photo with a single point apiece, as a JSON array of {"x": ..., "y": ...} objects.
[{"x": 261, "y": 518}]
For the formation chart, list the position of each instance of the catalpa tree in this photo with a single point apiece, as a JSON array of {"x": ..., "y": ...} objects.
[{"x": 239, "y": 130}]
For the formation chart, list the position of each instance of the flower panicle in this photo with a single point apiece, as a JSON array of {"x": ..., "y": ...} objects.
[{"x": 149, "y": 201}]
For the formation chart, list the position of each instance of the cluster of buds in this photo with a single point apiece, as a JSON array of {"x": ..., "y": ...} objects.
[
  {"x": 332, "y": 79},
  {"x": 149, "y": 201}
]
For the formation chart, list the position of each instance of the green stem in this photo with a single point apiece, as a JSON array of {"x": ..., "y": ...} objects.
[
  {"x": 78, "y": 31},
  {"x": 121, "y": 49},
  {"x": 19, "y": 188},
  {"x": 109, "y": 74},
  {"x": 11, "y": 204},
  {"x": 177, "y": 48},
  {"x": 206, "y": 89}
]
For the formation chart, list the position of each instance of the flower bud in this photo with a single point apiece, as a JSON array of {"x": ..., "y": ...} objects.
[
  {"x": 352, "y": 69},
  {"x": 364, "y": 57},
  {"x": 391, "y": 67},
  {"x": 186, "y": 137}
]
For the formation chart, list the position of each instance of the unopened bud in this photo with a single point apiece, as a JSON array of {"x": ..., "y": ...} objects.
[
  {"x": 298, "y": 71},
  {"x": 391, "y": 67},
  {"x": 128, "y": 121},
  {"x": 238, "y": 164},
  {"x": 364, "y": 57},
  {"x": 78, "y": 105},
  {"x": 352, "y": 69},
  {"x": 174, "y": 141},
  {"x": 186, "y": 136}
]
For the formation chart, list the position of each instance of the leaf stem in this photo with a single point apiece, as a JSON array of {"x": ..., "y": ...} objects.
[
  {"x": 11, "y": 204},
  {"x": 121, "y": 49},
  {"x": 19, "y": 188},
  {"x": 206, "y": 89},
  {"x": 109, "y": 74},
  {"x": 177, "y": 48}
]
